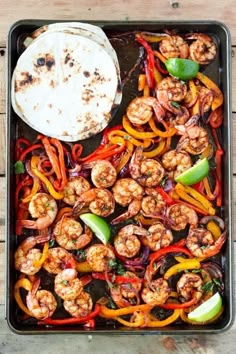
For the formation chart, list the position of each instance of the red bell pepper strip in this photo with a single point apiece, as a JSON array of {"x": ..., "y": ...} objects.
[
  {"x": 150, "y": 60},
  {"x": 29, "y": 149},
  {"x": 52, "y": 157},
  {"x": 175, "y": 305},
  {"x": 73, "y": 320},
  {"x": 60, "y": 184},
  {"x": 86, "y": 279},
  {"x": 218, "y": 160},
  {"x": 115, "y": 278},
  {"x": 159, "y": 67},
  {"x": 216, "y": 118},
  {"x": 199, "y": 187},
  {"x": 76, "y": 152},
  {"x": 22, "y": 212},
  {"x": 108, "y": 152},
  {"x": 165, "y": 195},
  {"x": 27, "y": 181},
  {"x": 18, "y": 148}
]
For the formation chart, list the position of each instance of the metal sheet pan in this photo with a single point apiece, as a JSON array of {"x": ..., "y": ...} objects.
[{"x": 219, "y": 71}]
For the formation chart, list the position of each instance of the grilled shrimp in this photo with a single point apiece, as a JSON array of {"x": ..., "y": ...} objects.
[
  {"x": 103, "y": 174},
  {"x": 141, "y": 110},
  {"x": 195, "y": 140},
  {"x": 67, "y": 285},
  {"x": 153, "y": 204},
  {"x": 58, "y": 259},
  {"x": 190, "y": 285},
  {"x": 81, "y": 306},
  {"x": 159, "y": 237},
  {"x": 205, "y": 97},
  {"x": 41, "y": 303},
  {"x": 74, "y": 188},
  {"x": 174, "y": 47},
  {"x": 121, "y": 292},
  {"x": 69, "y": 234},
  {"x": 157, "y": 294},
  {"x": 176, "y": 162},
  {"x": 147, "y": 172},
  {"x": 26, "y": 256},
  {"x": 127, "y": 192},
  {"x": 180, "y": 215},
  {"x": 100, "y": 202},
  {"x": 126, "y": 241},
  {"x": 98, "y": 256},
  {"x": 203, "y": 49},
  {"x": 201, "y": 242},
  {"x": 42, "y": 207}
]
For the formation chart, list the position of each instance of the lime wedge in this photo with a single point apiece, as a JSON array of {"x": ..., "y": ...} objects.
[
  {"x": 183, "y": 69},
  {"x": 98, "y": 225},
  {"x": 195, "y": 173},
  {"x": 207, "y": 310}
]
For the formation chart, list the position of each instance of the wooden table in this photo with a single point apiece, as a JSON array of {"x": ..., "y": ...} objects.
[{"x": 13, "y": 10}]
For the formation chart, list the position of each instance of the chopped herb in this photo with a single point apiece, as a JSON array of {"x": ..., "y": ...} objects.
[
  {"x": 120, "y": 269},
  {"x": 19, "y": 167},
  {"x": 203, "y": 247},
  {"x": 154, "y": 266},
  {"x": 126, "y": 137},
  {"x": 81, "y": 255},
  {"x": 65, "y": 282},
  {"x": 113, "y": 278},
  {"x": 46, "y": 204},
  {"x": 163, "y": 181},
  {"x": 148, "y": 174},
  {"x": 216, "y": 281},
  {"x": 196, "y": 271},
  {"x": 186, "y": 271},
  {"x": 52, "y": 209},
  {"x": 111, "y": 303},
  {"x": 112, "y": 263},
  {"x": 175, "y": 104},
  {"x": 208, "y": 286},
  {"x": 51, "y": 243}
]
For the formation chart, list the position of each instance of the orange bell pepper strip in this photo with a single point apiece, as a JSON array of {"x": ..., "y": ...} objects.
[
  {"x": 145, "y": 221},
  {"x": 156, "y": 151},
  {"x": 146, "y": 91},
  {"x": 126, "y": 157},
  {"x": 214, "y": 229},
  {"x": 162, "y": 323},
  {"x": 159, "y": 56},
  {"x": 141, "y": 82},
  {"x": 170, "y": 132},
  {"x": 63, "y": 211},
  {"x": 110, "y": 313},
  {"x": 139, "y": 320},
  {"x": 25, "y": 284},
  {"x": 218, "y": 99},
  {"x": 62, "y": 166},
  {"x": 34, "y": 190},
  {"x": 145, "y": 143},
  {"x": 194, "y": 92},
  {"x": 209, "y": 194},
  {"x": 40, "y": 175},
  {"x": 44, "y": 255},
  {"x": 157, "y": 76}
]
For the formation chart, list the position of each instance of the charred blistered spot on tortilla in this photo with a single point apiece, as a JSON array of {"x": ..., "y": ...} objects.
[
  {"x": 27, "y": 79},
  {"x": 48, "y": 121},
  {"x": 67, "y": 58},
  {"x": 49, "y": 61},
  {"x": 107, "y": 116},
  {"x": 59, "y": 111},
  {"x": 52, "y": 83},
  {"x": 50, "y": 105},
  {"x": 86, "y": 73},
  {"x": 87, "y": 95},
  {"x": 65, "y": 79},
  {"x": 41, "y": 61},
  {"x": 65, "y": 133}
]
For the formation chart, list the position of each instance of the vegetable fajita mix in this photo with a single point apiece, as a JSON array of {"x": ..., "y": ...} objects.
[{"x": 139, "y": 217}]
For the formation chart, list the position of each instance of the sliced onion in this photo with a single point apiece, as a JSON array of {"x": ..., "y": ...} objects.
[
  {"x": 28, "y": 168},
  {"x": 218, "y": 220},
  {"x": 169, "y": 185},
  {"x": 129, "y": 288}
]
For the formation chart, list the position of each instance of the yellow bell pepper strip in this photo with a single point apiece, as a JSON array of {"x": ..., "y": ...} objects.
[
  {"x": 25, "y": 284},
  {"x": 184, "y": 260},
  {"x": 146, "y": 91},
  {"x": 153, "y": 38},
  {"x": 83, "y": 267},
  {"x": 40, "y": 175},
  {"x": 190, "y": 264},
  {"x": 194, "y": 92},
  {"x": 198, "y": 196},
  {"x": 159, "y": 56},
  {"x": 214, "y": 229},
  {"x": 170, "y": 132},
  {"x": 141, "y": 82},
  {"x": 156, "y": 151},
  {"x": 162, "y": 323},
  {"x": 218, "y": 95},
  {"x": 34, "y": 190},
  {"x": 208, "y": 152},
  {"x": 145, "y": 143},
  {"x": 139, "y": 320},
  {"x": 145, "y": 221},
  {"x": 135, "y": 133},
  {"x": 44, "y": 255},
  {"x": 110, "y": 313},
  {"x": 184, "y": 318}
]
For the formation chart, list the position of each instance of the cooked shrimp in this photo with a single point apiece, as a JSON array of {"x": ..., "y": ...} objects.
[
  {"x": 67, "y": 285},
  {"x": 174, "y": 47},
  {"x": 98, "y": 256},
  {"x": 80, "y": 306},
  {"x": 43, "y": 208},
  {"x": 153, "y": 204},
  {"x": 205, "y": 97},
  {"x": 180, "y": 216},
  {"x": 121, "y": 292},
  {"x": 69, "y": 234},
  {"x": 103, "y": 173},
  {"x": 159, "y": 237},
  {"x": 127, "y": 192},
  {"x": 58, "y": 259},
  {"x": 195, "y": 140},
  {"x": 126, "y": 241},
  {"x": 176, "y": 162},
  {"x": 189, "y": 286},
  {"x": 26, "y": 256},
  {"x": 158, "y": 294},
  {"x": 100, "y": 202},
  {"x": 41, "y": 303},
  {"x": 201, "y": 242},
  {"x": 74, "y": 188},
  {"x": 203, "y": 50},
  {"x": 141, "y": 110},
  {"x": 147, "y": 172}
]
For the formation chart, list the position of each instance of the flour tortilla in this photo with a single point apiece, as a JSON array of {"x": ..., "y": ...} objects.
[{"x": 65, "y": 84}]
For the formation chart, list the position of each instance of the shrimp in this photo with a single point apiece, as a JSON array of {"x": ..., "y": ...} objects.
[
  {"x": 121, "y": 292},
  {"x": 203, "y": 50},
  {"x": 190, "y": 285},
  {"x": 103, "y": 173},
  {"x": 81, "y": 306},
  {"x": 58, "y": 259},
  {"x": 26, "y": 256},
  {"x": 153, "y": 204},
  {"x": 43, "y": 207},
  {"x": 69, "y": 234},
  {"x": 158, "y": 294},
  {"x": 159, "y": 237},
  {"x": 176, "y": 162},
  {"x": 74, "y": 188},
  {"x": 67, "y": 285},
  {"x": 126, "y": 241},
  {"x": 100, "y": 202},
  {"x": 195, "y": 140},
  {"x": 141, "y": 109},
  {"x": 201, "y": 242},
  {"x": 180, "y": 215},
  {"x": 147, "y": 172},
  {"x": 205, "y": 97},
  {"x": 127, "y": 192},
  {"x": 41, "y": 303},
  {"x": 99, "y": 256},
  {"x": 174, "y": 47}
]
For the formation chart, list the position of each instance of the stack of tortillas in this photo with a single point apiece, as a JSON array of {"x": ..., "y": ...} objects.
[{"x": 66, "y": 82}]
